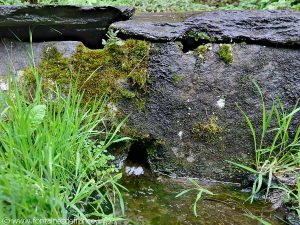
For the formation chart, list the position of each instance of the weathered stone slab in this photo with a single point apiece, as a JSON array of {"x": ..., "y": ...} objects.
[
  {"x": 15, "y": 55},
  {"x": 51, "y": 22},
  {"x": 190, "y": 122},
  {"x": 280, "y": 27},
  {"x": 191, "y": 113}
]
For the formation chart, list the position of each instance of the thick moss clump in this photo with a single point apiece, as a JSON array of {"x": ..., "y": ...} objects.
[
  {"x": 115, "y": 71},
  {"x": 225, "y": 53}
]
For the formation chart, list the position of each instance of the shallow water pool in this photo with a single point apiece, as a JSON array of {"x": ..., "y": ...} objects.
[{"x": 151, "y": 201}]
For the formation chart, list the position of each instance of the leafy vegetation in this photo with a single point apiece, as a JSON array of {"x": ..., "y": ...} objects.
[
  {"x": 53, "y": 157},
  {"x": 174, "y": 5},
  {"x": 277, "y": 152}
]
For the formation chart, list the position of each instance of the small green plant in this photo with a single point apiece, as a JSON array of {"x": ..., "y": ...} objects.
[
  {"x": 112, "y": 38},
  {"x": 279, "y": 157},
  {"x": 225, "y": 53},
  {"x": 202, "y": 50},
  {"x": 198, "y": 36},
  {"x": 200, "y": 193}
]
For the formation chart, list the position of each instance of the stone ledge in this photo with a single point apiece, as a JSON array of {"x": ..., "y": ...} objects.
[{"x": 272, "y": 28}]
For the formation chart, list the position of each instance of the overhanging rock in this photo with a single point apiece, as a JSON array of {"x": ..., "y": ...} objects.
[
  {"x": 191, "y": 111},
  {"x": 59, "y": 23},
  {"x": 279, "y": 28}
]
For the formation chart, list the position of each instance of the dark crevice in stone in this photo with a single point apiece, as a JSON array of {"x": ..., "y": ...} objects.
[
  {"x": 191, "y": 45},
  {"x": 138, "y": 154}
]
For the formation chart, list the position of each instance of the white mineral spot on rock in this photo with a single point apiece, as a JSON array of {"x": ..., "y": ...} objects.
[
  {"x": 137, "y": 171},
  {"x": 190, "y": 159},
  {"x": 180, "y": 134},
  {"x": 221, "y": 103}
]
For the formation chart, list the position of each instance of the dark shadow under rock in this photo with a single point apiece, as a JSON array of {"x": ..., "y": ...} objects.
[{"x": 60, "y": 23}]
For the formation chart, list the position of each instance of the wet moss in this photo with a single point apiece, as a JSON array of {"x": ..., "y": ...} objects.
[
  {"x": 114, "y": 71},
  {"x": 225, "y": 53},
  {"x": 202, "y": 50},
  {"x": 127, "y": 94},
  {"x": 209, "y": 130}
]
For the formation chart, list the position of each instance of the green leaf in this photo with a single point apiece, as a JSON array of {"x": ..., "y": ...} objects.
[
  {"x": 36, "y": 116},
  {"x": 244, "y": 167},
  {"x": 183, "y": 192},
  {"x": 262, "y": 221},
  {"x": 199, "y": 195}
]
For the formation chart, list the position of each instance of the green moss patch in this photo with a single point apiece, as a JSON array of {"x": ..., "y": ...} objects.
[
  {"x": 209, "y": 130},
  {"x": 115, "y": 71},
  {"x": 225, "y": 53},
  {"x": 202, "y": 50}
]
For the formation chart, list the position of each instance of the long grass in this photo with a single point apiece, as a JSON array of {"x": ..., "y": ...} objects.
[
  {"x": 53, "y": 157},
  {"x": 277, "y": 149}
]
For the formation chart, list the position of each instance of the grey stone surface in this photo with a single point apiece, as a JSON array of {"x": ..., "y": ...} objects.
[
  {"x": 15, "y": 55},
  {"x": 173, "y": 109},
  {"x": 53, "y": 22},
  {"x": 207, "y": 88},
  {"x": 261, "y": 27}
]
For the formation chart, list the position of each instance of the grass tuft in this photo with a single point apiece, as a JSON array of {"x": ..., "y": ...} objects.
[{"x": 53, "y": 157}]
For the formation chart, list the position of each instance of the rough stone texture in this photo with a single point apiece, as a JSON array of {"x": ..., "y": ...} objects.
[
  {"x": 49, "y": 23},
  {"x": 174, "y": 108},
  {"x": 187, "y": 89},
  {"x": 262, "y": 27},
  {"x": 15, "y": 55}
]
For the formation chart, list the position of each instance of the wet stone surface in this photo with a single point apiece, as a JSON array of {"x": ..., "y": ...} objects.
[{"x": 151, "y": 201}]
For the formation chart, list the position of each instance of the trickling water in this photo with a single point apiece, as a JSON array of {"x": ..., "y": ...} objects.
[{"x": 151, "y": 201}]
